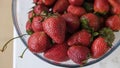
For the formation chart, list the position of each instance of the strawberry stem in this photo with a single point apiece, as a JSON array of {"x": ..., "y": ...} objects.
[
  {"x": 21, "y": 56},
  {"x": 5, "y": 45}
]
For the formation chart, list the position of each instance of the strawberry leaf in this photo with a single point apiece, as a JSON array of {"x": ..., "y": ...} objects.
[
  {"x": 88, "y": 7},
  {"x": 84, "y": 23},
  {"x": 29, "y": 32},
  {"x": 108, "y": 34}
]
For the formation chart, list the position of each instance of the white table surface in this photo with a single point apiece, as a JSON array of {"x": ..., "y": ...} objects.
[{"x": 31, "y": 61}]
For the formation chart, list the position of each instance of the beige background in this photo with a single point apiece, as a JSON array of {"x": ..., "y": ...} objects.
[{"x": 6, "y": 33}]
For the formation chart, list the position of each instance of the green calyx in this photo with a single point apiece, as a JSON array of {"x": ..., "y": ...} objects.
[
  {"x": 44, "y": 13},
  {"x": 100, "y": 14},
  {"x": 84, "y": 23},
  {"x": 108, "y": 34},
  {"x": 88, "y": 7},
  {"x": 30, "y": 20},
  {"x": 29, "y": 32}
]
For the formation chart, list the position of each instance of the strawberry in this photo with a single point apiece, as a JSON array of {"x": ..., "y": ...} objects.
[
  {"x": 31, "y": 14},
  {"x": 38, "y": 9},
  {"x": 82, "y": 37},
  {"x": 35, "y": 1},
  {"x": 90, "y": 20},
  {"x": 72, "y": 22},
  {"x": 116, "y": 10},
  {"x": 48, "y": 2},
  {"x": 78, "y": 54},
  {"x": 39, "y": 2},
  {"x": 55, "y": 27},
  {"x": 76, "y": 2},
  {"x": 57, "y": 53},
  {"x": 37, "y": 24},
  {"x": 101, "y": 6},
  {"x": 108, "y": 34},
  {"x": 113, "y": 22},
  {"x": 29, "y": 29},
  {"x": 99, "y": 47},
  {"x": 38, "y": 42},
  {"x": 101, "y": 44},
  {"x": 115, "y": 6},
  {"x": 76, "y": 10},
  {"x": 114, "y": 2},
  {"x": 60, "y": 6}
]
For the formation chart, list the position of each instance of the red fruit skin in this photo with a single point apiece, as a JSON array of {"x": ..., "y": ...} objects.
[
  {"x": 99, "y": 47},
  {"x": 38, "y": 42},
  {"x": 79, "y": 11},
  {"x": 116, "y": 10},
  {"x": 57, "y": 53},
  {"x": 113, "y": 22},
  {"x": 76, "y": 2},
  {"x": 40, "y": 2},
  {"x": 37, "y": 24},
  {"x": 35, "y": 1},
  {"x": 101, "y": 6},
  {"x": 31, "y": 14},
  {"x": 93, "y": 20},
  {"x": 72, "y": 22},
  {"x": 115, "y": 6},
  {"x": 39, "y": 8},
  {"x": 55, "y": 27},
  {"x": 114, "y": 2},
  {"x": 28, "y": 26},
  {"x": 80, "y": 38},
  {"x": 78, "y": 54},
  {"x": 61, "y": 6},
  {"x": 48, "y": 2}
]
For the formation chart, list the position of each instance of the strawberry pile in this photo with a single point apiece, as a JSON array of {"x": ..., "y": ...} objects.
[{"x": 72, "y": 29}]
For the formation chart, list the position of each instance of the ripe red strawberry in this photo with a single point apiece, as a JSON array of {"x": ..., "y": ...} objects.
[
  {"x": 113, "y": 22},
  {"x": 116, "y": 10},
  {"x": 115, "y": 6},
  {"x": 55, "y": 27},
  {"x": 102, "y": 43},
  {"x": 31, "y": 14},
  {"x": 90, "y": 20},
  {"x": 99, "y": 47},
  {"x": 37, "y": 24},
  {"x": 60, "y": 6},
  {"x": 72, "y": 22},
  {"x": 48, "y": 2},
  {"x": 38, "y": 9},
  {"x": 35, "y": 1},
  {"x": 38, "y": 42},
  {"x": 114, "y": 2},
  {"x": 29, "y": 29},
  {"x": 76, "y": 2},
  {"x": 82, "y": 37},
  {"x": 57, "y": 53},
  {"x": 101, "y": 6},
  {"x": 39, "y": 2},
  {"x": 79, "y": 54},
  {"x": 76, "y": 10}
]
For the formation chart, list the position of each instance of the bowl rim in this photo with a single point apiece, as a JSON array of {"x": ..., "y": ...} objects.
[{"x": 14, "y": 17}]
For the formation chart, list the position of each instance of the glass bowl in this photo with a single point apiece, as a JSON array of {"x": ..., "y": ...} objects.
[{"x": 20, "y": 9}]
